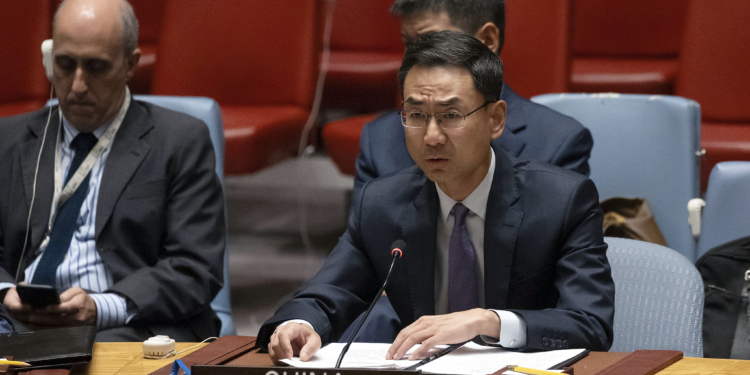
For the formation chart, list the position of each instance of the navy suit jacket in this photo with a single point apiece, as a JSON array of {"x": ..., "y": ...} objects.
[
  {"x": 532, "y": 131},
  {"x": 544, "y": 256},
  {"x": 160, "y": 223}
]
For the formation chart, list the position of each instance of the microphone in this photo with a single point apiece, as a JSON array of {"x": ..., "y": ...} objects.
[{"x": 397, "y": 250}]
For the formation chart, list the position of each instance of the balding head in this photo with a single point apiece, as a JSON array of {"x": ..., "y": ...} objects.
[
  {"x": 128, "y": 21},
  {"x": 94, "y": 56}
]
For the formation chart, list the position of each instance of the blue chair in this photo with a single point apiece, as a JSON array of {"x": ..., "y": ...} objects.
[
  {"x": 644, "y": 146},
  {"x": 726, "y": 216},
  {"x": 207, "y": 110},
  {"x": 658, "y": 298}
]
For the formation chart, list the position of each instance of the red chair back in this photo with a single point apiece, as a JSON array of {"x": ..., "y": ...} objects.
[
  {"x": 24, "y": 25},
  {"x": 715, "y": 59},
  {"x": 365, "y": 26},
  {"x": 150, "y": 14},
  {"x": 535, "y": 55},
  {"x": 628, "y": 28},
  {"x": 239, "y": 51}
]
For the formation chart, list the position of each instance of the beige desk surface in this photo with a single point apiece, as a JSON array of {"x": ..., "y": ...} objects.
[{"x": 127, "y": 358}]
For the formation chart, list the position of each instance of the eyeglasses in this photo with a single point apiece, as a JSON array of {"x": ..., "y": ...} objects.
[{"x": 446, "y": 120}]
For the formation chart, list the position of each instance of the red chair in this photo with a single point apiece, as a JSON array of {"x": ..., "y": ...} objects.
[
  {"x": 24, "y": 25},
  {"x": 150, "y": 14},
  {"x": 715, "y": 72},
  {"x": 257, "y": 58},
  {"x": 366, "y": 52},
  {"x": 342, "y": 141},
  {"x": 627, "y": 46},
  {"x": 536, "y": 52}
]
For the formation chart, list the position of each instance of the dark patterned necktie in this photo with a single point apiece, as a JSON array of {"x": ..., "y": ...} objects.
[
  {"x": 463, "y": 287},
  {"x": 67, "y": 216}
]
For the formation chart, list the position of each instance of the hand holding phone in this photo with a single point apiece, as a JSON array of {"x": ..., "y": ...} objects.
[{"x": 38, "y": 296}]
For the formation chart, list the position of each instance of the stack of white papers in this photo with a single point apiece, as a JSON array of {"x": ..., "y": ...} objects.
[
  {"x": 360, "y": 355},
  {"x": 473, "y": 359},
  {"x": 470, "y": 359}
]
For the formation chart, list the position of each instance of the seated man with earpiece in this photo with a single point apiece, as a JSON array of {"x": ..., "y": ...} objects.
[{"x": 113, "y": 202}]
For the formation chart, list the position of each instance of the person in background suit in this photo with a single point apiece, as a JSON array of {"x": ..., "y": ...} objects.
[
  {"x": 505, "y": 249},
  {"x": 533, "y": 131},
  {"x": 137, "y": 246}
]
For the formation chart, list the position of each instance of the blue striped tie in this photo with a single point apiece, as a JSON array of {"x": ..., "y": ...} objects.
[{"x": 67, "y": 216}]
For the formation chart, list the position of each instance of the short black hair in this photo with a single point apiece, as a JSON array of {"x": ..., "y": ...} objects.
[
  {"x": 468, "y": 15},
  {"x": 452, "y": 48}
]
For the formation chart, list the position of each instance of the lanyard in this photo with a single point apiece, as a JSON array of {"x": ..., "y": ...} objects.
[{"x": 63, "y": 193}]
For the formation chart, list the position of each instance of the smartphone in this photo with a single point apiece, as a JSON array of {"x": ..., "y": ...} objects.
[{"x": 38, "y": 296}]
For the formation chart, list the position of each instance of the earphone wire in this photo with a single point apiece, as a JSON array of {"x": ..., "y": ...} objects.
[{"x": 33, "y": 189}]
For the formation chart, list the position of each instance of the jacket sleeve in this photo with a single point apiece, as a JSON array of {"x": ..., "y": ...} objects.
[
  {"x": 584, "y": 314},
  {"x": 337, "y": 294},
  {"x": 188, "y": 269}
]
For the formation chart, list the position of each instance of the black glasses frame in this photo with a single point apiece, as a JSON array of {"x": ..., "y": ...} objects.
[{"x": 427, "y": 119}]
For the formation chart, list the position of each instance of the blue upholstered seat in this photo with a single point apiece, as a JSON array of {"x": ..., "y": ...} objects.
[
  {"x": 645, "y": 147},
  {"x": 658, "y": 298},
  {"x": 726, "y": 216}
]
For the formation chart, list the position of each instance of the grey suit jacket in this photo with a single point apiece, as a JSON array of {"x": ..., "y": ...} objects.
[{"x": 160, "y": 223}]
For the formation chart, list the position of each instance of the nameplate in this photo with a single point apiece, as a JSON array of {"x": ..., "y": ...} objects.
[{"x": 249, "y": 370}]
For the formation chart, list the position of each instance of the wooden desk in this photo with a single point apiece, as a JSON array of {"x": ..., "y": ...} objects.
[{"x": 127, "y": 358}]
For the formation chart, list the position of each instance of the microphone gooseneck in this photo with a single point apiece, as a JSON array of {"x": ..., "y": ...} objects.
[{"x": 396, "y": 251}]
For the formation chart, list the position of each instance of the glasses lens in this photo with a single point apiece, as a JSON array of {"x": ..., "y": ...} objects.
[
  {"x": 413, "y": 119},
  {"x": 450, "y": 120}
]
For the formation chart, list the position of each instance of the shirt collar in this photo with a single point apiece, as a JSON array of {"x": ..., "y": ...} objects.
[
  {"x": 71, "y": 132},
  {"x": 476, "y": 202}
]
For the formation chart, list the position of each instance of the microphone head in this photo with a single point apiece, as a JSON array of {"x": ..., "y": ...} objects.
[{"x": 398, "y": 247}]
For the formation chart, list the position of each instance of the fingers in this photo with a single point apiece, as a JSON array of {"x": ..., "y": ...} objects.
[
  {"x": 413, "y": 339},
  {"x": 312, "y": 346},
  {"x": 443, "y": 329},
  {"x": 71, "y": 302},
  {"x": 407, "y": 338},
  {"x": 71, "y": 293},
  {"x": 425, "y": 348},
  {"x": 13, "y": 302},
  {"x": 291, "y": 339}
]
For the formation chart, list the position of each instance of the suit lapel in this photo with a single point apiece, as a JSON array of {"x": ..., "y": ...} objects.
[
  {"x": 500, "y": 230},
  {"x": 127, "y": 152},
  {"x": 419, "y": 226},
  {"x": 515, "y": 121},
  {"x": 45, "y": 178}
]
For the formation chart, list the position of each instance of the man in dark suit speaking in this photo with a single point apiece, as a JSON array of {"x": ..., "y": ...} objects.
[
  {"x": 532, "y": 131},
  {"x": 112, "y": 201},
  {"x": 505, "y": 249}
]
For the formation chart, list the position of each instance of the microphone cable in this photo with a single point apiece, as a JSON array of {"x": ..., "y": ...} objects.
[{"x": 397, "y": 251}]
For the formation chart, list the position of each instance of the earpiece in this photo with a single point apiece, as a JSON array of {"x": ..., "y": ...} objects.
[{"x": 47, "y": 58}]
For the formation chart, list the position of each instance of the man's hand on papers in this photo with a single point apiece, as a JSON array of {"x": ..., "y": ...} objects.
[
  {"x": 444, "y": 329},
  {"x": 293, "y": 339},
  {"x": 76, "y": 308}
]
